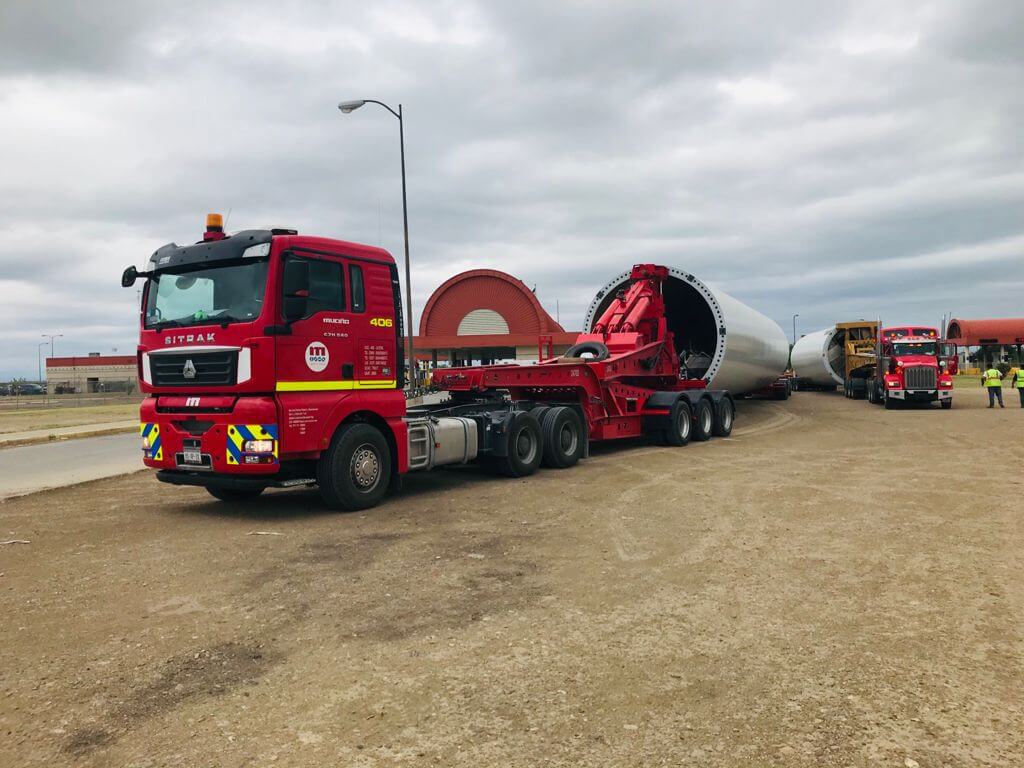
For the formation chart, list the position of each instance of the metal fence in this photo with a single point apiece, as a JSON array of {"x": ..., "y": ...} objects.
[{"x": 72, "y": 391}]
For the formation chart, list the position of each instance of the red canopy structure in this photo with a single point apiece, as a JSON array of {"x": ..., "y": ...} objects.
[
  {"x": 976, "y": 333},
  {"x": 486, "y": 315}
]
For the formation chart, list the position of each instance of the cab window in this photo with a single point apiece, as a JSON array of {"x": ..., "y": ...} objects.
[
  {"x": 355, "y": 279},
  {"x": 326, "y": 287}
]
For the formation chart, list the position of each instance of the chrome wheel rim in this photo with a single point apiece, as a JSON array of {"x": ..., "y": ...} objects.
[
  {"x": 683, "y": 423},
  {"x": 526, "y": 446},
  {"x": 726, "y": 416},
  {"x": 706, "y": 420},
  {"x": 365, "y": 468},
  {"x": 567, "y": 439}
]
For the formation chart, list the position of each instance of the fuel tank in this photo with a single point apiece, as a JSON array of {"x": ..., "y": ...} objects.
[
  {"x": 818, "y": 358},
  {"x": 719, "y": 339}
]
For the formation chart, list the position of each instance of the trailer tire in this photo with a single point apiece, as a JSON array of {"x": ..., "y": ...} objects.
[
  {"x": 563, "y": 437},
  {"x": 703, "y": 421},
  {"x": 680, "y": 427},
  {"x": 234, "y": 494},
  {"x": 596, "y": 349},
  {"x": 725, "y": 415},
  {"x": 354, "y": 473},
  {"x": 525, "y": 447}
]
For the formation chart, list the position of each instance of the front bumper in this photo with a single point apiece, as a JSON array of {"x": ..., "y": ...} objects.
[
  {"x": 216, "y": 431},
  {"x": 921, "y": 395}
]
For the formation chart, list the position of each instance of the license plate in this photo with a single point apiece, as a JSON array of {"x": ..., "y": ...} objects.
[{"x": 192, "y": 456}]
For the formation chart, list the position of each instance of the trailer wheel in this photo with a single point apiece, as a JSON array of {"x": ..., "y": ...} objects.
[
  {"x": 563, "y": 437},
  {"x": 525, "y": 447},
  {"x": 355, "y": 471},
  {"x": 703, "y": 421},
  {"x": 724, "y": 417},
  {"x": 680, "y": 426},
  {"x": 234, "y": 494}
]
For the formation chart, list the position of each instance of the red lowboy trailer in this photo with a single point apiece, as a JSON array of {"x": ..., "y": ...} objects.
[{"x": 274, "y": 359}]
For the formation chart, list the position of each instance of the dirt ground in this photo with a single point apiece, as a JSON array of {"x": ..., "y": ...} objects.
[
  {"x": 835, "y": 585},
  {"x": 65, "y": 416}
]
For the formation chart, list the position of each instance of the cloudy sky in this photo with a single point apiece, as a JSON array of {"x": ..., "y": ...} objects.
[{"x": 839, "y": 160}]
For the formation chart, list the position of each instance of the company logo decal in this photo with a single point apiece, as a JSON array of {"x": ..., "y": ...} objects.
[
  {"x": 188, "y": 338},
  {"x": 189, "y": 371},
  {"x": 317, "y": 357}
]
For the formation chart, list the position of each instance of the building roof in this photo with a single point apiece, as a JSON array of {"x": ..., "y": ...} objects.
[
  {"x": 973, "y": 333},
  {"x": 89, "y": 360}
]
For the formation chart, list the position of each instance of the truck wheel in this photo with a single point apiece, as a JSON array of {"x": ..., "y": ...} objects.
[
  {"x": 680, "y": 426},
  {"x": 563, "y": 437},
  {"x": 725, "y": 414},
  {"x": 525, "y": 447},
  {"x": 234, "y": 494},
  {"x": 947, "y": 404},
  {"x": 890, "y": 402},
  {"x": 355, "y": 471},
  {"x": 538, "y": 413},
  {"x": 703, "y": 421}
]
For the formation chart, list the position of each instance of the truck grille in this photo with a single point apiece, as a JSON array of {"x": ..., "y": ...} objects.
[
  {"x": 920, "y": 377},
  {"x": 212, "y": 369}
]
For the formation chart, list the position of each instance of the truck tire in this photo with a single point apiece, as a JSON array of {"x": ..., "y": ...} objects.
[
  {"x": 725, "y": 415},
  {"x": 703, "y": 421},
  {"x": 890, "y": 402},
  {"x": 538, "y": 413},
  {"x": 355, "y": 471},
  {"x": 525, "y": 447},
  {"x": 947, "y": 404},
  {"x": 680, "y": 428},
  {"x": 563, "y": 437},
  {"x": 234, "y": 494}
]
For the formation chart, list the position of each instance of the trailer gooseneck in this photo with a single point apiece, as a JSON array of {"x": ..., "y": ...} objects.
[{"x": 275, "y": 359}]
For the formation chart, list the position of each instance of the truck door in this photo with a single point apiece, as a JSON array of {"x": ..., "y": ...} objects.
[
  {"x": 373, "y": 303},
  {"x": 318, "y": 354}
]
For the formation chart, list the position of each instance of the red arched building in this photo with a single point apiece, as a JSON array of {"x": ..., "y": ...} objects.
[{"x": 486, "y": 315}]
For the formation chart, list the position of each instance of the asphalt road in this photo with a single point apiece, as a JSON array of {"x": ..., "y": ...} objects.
[{"x": 51, "y": 465}]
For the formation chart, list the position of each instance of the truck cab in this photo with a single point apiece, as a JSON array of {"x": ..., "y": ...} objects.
[
  {"x": 255, "y": 347},
  {"x": 908, "y": 370}
]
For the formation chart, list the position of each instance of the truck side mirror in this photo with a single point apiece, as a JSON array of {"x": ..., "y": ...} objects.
[
  {"x": 128, "y": 277},
  {"x": 296, "y": 289}
]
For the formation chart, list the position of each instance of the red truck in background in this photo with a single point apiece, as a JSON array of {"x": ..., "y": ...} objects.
[
  {"x": 909, "y": 368},
  {"x": 271, "y": 358}
]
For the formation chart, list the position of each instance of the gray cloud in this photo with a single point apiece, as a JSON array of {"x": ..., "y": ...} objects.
[{"x": 829, "y": 159}]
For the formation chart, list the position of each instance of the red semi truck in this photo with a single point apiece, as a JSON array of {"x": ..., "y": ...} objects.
[
  {"x": 271, "y": 358},
  {"x": 909, "y": 368}
]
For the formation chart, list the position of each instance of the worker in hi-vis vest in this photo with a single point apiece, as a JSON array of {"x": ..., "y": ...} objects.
[
  {"x": 993, "y": 381},
  {"x": 1018, "y": 383}
]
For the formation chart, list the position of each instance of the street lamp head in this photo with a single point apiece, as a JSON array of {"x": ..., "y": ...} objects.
[{"x": 351, "y": 106}]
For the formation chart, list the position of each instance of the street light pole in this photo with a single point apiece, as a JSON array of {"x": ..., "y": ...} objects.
[
  {"x": 794, "y": 328},
  {"x": 350, "y": 106},
  {"x": 39, "y": 360}
]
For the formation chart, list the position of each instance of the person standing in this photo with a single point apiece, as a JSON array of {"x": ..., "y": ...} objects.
[
  {"x": 1018, "y": 383},
  {"x": 993, "y": 381}
]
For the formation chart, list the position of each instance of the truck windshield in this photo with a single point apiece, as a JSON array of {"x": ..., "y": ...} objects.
[
  {"x": 226, "y": 293},
  {"x": 913, "y": 348}
]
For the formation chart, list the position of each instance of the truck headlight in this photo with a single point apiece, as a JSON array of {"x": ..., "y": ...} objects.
[
  {"x": 892, "y": 383},
  {"x": 259, "y": 446}
]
